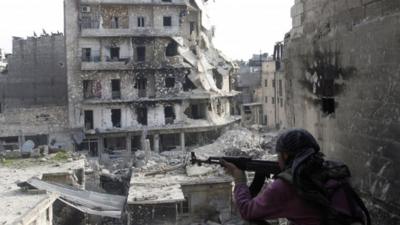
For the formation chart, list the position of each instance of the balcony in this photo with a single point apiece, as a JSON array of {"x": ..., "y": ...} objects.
[
  {"x": 135, "y": 2},
  {"x": 120, "y": 64},
  {"x": 152, "y": 32}
]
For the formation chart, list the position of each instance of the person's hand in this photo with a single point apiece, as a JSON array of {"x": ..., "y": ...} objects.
[{"x": 238, "y": 175}]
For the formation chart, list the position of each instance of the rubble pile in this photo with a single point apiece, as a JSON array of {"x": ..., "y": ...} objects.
[{"x": 241, "y": 142}]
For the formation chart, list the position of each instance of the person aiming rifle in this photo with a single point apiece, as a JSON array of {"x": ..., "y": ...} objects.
[{"x": 308, "y": 191}]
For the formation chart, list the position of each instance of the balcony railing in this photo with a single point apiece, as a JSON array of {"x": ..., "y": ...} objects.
[
  {"x": 120, "y": 32},
  {"x": 140, "y": 2}
]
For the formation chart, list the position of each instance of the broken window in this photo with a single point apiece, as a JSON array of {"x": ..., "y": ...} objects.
[
  {"x": 184, "y": 206},
  {"x": 266, "y": 99},
  {"x": 116, "y": 117},
  {"x": 140, "y": 21},
  {"x": 280, "y": 88},
  {"x": 247, "y": 109},
  {"x": 114, "y": 143},
  {"x": 273, "y": 100},
  {"x": 115, "y": 22},
  {"x": 116, "y": 89},
  {"x": 167, "y": 21},
  {"x": 188, "y": 85},
  {"x": 114, "y": 54},
  {"x": 1, "y": 108},
  {"x": 142, "y": 115},
  {"x": 169, "y": 114},
  {"x": 218, "y": 79},
  {"x": 273, "y": 83},
  {"x": 172, "y": 49},
  {"x": 91, "y": 89},
  {"x": 192, "y": 27},
  {"x": 141, "y": 84},
  {"x": 141, "y": 54},
  {"x": 328, "y": 105},
  {"x": 166, "y": 0},
  {"x": 265, "y": 83},
  {"x": 196, "y": 111},
  {"x": 10, "y": 143},
  {"x": 86, "y": 54},
  {"x": 169, "y": 82},
  {"x": 89, "y": 119}
]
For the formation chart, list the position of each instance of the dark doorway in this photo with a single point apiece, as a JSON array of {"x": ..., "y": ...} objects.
[
  {"x": 142, "y": 115},
  {"x": 169, "y": 114},
  {"x": 116, "y": 117},
  {"x": 114, "y": 54},
  {"x": 142, "y": 85},
  {"x": 88, "y": 119},
  {"x": 116, "y": 89},
  {"x": 141, "y": 54},
  {"x": 172, "y": 49}
]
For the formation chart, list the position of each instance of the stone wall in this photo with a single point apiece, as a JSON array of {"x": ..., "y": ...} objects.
[
  {"x": 36, "y": 73},
  {"x": 343, "y": 60}
]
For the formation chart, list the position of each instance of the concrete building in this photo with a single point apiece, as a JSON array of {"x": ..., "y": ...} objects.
[
  {"x": 3, "y": 61},
  {"x": 273, "y": 91},
  {"x": 142, "y": 69},
  {"x": 33, "y": 93},
  {"x": 342, "y": 58}
]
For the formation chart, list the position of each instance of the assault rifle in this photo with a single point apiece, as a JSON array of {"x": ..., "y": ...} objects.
[{"x": 246, "y": 164}]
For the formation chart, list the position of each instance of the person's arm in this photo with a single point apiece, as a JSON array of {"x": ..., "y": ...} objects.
[{"x": 270, "y": 203}]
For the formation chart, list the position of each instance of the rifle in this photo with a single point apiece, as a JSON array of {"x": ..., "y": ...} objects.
[
  {"x": 263, "y": 169},
  {"x": 244, "y": 163}
]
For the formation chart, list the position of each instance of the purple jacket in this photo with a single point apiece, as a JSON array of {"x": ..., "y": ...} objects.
[{"x": 280, "y": 200}]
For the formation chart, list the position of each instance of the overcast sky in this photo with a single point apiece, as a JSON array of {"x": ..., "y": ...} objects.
[{"x": 244, "y": 27}]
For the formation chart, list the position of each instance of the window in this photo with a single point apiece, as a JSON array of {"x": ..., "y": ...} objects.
[
  {"x": 141, "y": 85},
  {"x": 192, "y": 27},
  {"x": 86, "y": 54},
  {"x": 169, "y": 115},
  {"x": 115, "y": 22},
  {"x": 266, "y": 99},
  {"x": 141, "y": 54},
  {"x": 273, "y": 83},
  {"x": 172, "y": 49},
  {"x": 328, "y": 105},
  {"x": 280, "y": 88},
  {"x": 116, "y": 117},
  {"x": 166, "y": 0},
  {"x": 116, "y": 89},
  {"x": 281, "y": 103},
  {"x": 265, "y": 83},
  {"x": 273, "y": 100},
  {"x": 48, "y": 214},
  {"x": 169, "y": 82},
  {"x": 167, "y": 21},
  {"x": 1, "y": 108},
  {"x": 142, "y": 115},
  {"x": 89, "y": 119},
  {"x": 114, "y": 54},
  {"x": 91, "y": 89},
  {"x": 140, "y": 21}
]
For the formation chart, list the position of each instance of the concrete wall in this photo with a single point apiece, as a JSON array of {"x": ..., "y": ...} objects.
[
  {"x": 36, "y": 73},
  {"x": 348, "y": 51}
]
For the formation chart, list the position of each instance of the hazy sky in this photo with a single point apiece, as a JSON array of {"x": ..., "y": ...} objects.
[{"x": 244, "y": 27}]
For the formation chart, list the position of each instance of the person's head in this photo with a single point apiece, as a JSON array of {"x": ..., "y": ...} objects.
[{"x": 291, "y": 142}]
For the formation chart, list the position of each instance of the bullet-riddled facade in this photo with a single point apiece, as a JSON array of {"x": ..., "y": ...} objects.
[{"x": 144, "y": 69}]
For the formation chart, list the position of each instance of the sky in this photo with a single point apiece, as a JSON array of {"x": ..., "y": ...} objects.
[{"x": 243, "y": 27}]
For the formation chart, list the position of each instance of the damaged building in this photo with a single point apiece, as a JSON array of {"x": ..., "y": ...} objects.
[
  {"x": 3, "y": 61},
  {"x": 145, "y": 70},
  {"x": 33, "y": 93},
  {"x": 342, "y": 58}
]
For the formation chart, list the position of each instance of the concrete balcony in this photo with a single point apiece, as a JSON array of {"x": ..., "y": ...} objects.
[
  {"x": 135, "y": 2},
  {"x": 132, "y": 32},
  {"x": 106, "y": 66}
]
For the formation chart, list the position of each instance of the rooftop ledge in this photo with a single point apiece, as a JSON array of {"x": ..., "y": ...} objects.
[
  {"x": 131, "y": 32},
  {"x": 139, "y": 2}
]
